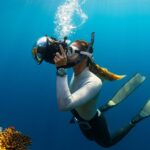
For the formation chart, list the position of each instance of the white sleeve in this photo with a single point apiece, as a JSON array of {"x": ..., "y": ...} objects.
[{"x": 67, "y": 101}]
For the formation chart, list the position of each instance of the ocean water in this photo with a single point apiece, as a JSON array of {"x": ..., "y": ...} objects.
[{"x": 27, "y": 90}]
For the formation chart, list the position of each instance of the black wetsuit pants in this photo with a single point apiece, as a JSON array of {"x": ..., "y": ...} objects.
[{"x": 98, "y": 131}]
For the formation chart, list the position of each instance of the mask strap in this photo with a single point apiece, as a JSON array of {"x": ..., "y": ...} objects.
[
  {"x": 76, "y": 50},
  {"x": 90, "y": 55}
]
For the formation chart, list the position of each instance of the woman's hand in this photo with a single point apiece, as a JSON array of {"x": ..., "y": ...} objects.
[{"x": 60, "y": 59}]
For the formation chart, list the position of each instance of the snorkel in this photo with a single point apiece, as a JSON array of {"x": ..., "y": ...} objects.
[{"x": 90, "y": 47}]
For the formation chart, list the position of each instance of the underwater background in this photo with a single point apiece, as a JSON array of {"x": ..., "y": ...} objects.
[{"x": 27, "y": 90}]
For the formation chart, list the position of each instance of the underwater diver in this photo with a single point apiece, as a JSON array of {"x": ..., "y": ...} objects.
[{"x": 81, "y": 96}]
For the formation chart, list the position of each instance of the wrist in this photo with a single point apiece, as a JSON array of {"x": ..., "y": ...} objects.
[{"x": 61, "y": 72}]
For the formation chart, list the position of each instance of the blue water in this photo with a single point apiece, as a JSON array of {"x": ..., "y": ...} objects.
[{"x": 27, "y": 91}]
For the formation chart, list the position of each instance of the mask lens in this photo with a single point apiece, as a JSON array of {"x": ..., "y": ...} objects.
[
  {"x": 72, "y": 51},
  {"x": 72, "y": 54}
]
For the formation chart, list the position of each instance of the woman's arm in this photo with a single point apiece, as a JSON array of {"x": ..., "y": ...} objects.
[{"x": 68, "y": 101}]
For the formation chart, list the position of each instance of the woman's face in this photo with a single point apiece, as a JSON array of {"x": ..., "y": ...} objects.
[{"x": 79, "y": 59}]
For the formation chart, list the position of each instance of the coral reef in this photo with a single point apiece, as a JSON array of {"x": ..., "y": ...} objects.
[{"x": 11, "y": 139}]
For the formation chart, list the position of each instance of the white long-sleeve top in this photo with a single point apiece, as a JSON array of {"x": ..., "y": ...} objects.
[{"x": 82, "y": 94}]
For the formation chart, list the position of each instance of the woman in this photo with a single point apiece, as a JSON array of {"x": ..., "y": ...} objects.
[{"x": 81, "y": 97}]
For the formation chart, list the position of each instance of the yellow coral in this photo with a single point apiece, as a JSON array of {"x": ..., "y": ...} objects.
[{"x": 10, "y": 139}]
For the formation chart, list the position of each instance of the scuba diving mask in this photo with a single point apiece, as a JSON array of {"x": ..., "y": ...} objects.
[{"x": 46, "y": 48}]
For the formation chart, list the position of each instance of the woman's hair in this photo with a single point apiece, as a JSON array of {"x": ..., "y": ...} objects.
[{"x": 95, "y": 68}]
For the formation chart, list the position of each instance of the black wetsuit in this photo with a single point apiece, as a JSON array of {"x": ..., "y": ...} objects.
[{"x": 97, "y": 130}]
